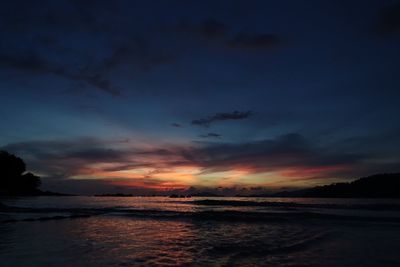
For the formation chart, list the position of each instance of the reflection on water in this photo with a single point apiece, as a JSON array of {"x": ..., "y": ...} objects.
[
  {"x": 119, "y": 239},
  {"x": 135, "y": 242},
  {"x": 112, "y": 241},
  {"x": 115, "y": 241}
]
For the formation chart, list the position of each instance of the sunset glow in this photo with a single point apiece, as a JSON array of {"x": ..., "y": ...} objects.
[{"x": 107, "y": 99}]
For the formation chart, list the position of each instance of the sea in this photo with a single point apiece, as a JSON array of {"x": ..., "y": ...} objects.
[{"x": 79, "y": 231}]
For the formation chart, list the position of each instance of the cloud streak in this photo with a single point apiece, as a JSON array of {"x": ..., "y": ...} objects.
[
  {"x": 210, "y": 135},
  {"x": 218, "y": 117},
  {"x": 220, "y": 33},
  {"x": 55, "y": 34},
  {"x": 36, "y": 64},
  {"x": 284, "y": 152}
]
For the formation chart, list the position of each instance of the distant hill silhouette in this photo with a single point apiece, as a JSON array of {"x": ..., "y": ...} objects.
[
  {"x": 205, "y": 194},
  {"x": 15, "y": 181},
  {"x": 114, "y": 195},
  {"x": 375, "y": 186}
]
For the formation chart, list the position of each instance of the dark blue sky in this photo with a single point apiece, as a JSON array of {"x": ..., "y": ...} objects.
[{"x": 163, "y": 95}]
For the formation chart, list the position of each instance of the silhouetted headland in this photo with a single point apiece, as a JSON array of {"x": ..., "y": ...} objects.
[
  {"x": 374, "y": 186},
  {"x": 179, "y": 196},
  {"x": 205, "y": 194},
  {"x": 114, "y": 195},
  {"x": 15, "y": 181}
]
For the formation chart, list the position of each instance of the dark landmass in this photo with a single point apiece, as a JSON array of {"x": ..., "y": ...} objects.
[
  {"x": 179, "y": 196},
  {"x": 205, "y": 194},
  {"x": 375, "y": 186},
  {"x": 49, "y": 193},
  {"x": 35, "y": 193},
  {"x": 15, "y": 181},
  {"x": 114, "y": 195}
]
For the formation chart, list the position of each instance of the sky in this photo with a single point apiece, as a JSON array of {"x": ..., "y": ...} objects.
[{"x": 237, "y": 97}]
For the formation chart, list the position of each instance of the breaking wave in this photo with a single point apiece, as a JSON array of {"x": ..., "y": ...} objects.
[
  {"x": 44, "y": 214},
  {"x": 239, "y": 203}
]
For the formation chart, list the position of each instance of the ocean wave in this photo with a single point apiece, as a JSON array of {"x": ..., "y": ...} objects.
[
  {"x": 249, "y": 216},
  {"x": 46, "y": 218},
  {"x": 248, "y": 249},
  {"x": 226, "y": 215},
  {"x": 240, "y": 203}
]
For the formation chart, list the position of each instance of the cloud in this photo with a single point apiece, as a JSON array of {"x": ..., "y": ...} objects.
[
  {"x": 257, "y": 42},
  {"x": 177, "y": 125},
  {"x": 34, "y": 63},
  {"x": 92, "y": 166},
  {"x": 90, "y": 156},
  {"x": 389, "y": 20},
  {"x": 286, "y": 152},
  {"x": 98, "y": 81},
  {"x": 208, "y": 135},
  {"x": 289, "y": 158},
  {"x": 139, "y": 186},
  {"x": 220, "y": 33},
  {"x": 81, "y": 42},
  {"x": 224, "y": 190},
  {"x": 67, "y": 158},
  {"x": 235, "y": 115},
  {"x": 295, "y": 157}
]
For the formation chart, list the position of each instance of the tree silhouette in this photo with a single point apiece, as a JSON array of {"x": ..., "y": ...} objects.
[{"x": 13, "y": 179}]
